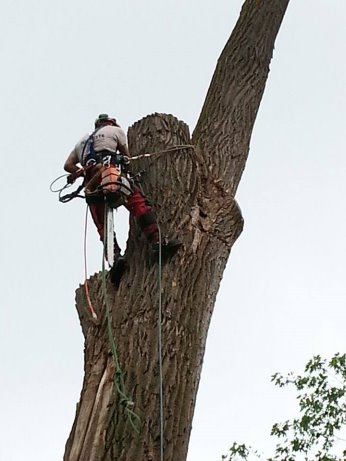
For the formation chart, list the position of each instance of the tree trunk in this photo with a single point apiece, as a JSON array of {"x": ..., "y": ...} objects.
[{"x": 193, "y": 191}]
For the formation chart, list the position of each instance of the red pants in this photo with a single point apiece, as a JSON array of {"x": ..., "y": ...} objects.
[{"x": 136, "y": 203}]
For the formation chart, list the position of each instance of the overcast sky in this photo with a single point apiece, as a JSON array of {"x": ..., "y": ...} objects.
[{"x": 283, "y": 294}]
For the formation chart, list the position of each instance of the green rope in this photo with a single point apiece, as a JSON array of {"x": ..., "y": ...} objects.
[
  {"x": 160, "y": 344},
  {"x": 125, "y": 400}
]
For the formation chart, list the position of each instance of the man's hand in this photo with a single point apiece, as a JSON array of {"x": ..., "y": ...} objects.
[
  {"x": 73, "y": 176},
  {"x": 126, "y": 160}
]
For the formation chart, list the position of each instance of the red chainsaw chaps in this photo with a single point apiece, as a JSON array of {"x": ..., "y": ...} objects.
[{"x": 137, "y": 205}]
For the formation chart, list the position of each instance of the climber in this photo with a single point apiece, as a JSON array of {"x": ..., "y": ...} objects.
[{"x": 94, "y": 155}]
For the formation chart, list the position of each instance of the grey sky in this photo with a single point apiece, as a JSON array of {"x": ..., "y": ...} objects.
[{"x": 283, "y": 294}]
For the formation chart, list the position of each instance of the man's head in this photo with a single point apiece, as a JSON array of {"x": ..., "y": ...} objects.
[{"x": 105, "y": 119}]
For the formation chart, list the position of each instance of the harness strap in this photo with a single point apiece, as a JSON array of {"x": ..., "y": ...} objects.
[
  {"x": 68, "y": 197},
  {"x": 91, "y": 157},
  {"x": 104, "y": 157},
  {"x": 90, "y": 144}
]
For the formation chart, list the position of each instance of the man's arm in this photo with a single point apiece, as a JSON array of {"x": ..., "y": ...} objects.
[
  {"x": 121, "y": 140},
  {"x": 71, "y": 163},
  {"x": 71, "y": 166},
  {"x": 124, "y": 150}
]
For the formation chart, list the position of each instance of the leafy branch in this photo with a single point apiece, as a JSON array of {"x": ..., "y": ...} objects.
[{"x": 313, "y": 435}]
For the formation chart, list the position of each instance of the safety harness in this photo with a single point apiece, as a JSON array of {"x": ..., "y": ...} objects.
[
  {"x": 88, "y": 152},
  {"x": 90, "y": 157}
]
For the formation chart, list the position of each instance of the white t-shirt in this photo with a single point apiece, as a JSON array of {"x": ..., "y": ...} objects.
[{"x": 108, "y": 137}]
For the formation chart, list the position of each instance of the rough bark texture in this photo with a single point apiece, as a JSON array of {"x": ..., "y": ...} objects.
[{"x": 193, "y": 191}]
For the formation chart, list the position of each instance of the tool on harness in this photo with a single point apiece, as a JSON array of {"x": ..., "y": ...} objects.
[
  {"x": 113, "y": 187},
  {"x": 106, "y": 181},
  {"x": 109, "y": 235},
  {"x": 110, "y": 179},
  {"x": 106, "y": 157}
]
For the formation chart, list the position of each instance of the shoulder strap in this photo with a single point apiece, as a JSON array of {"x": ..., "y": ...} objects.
[{"x": 89, "y": 143}]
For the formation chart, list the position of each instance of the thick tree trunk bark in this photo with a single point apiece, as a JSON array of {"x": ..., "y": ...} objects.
[{"x": 193, "y": 190}]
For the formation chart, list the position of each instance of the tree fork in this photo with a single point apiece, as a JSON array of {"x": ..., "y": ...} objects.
[{"x": 192, "y": 190}]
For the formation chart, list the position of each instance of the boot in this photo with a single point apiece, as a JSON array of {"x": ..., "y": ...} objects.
[
  {"x": 168, "y": 248},
  {"x": 117, "y": 270}
]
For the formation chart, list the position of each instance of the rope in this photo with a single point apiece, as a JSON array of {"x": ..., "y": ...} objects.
[
  {"x": 67, "y": 197},
  {"x": 125, "y": 400},
  {"x": 57, "y": 179},
  {"x": 153, "y": 154},
  {"x": 86, "y": 286},
  {"x": 169, "y": 149},
  {"x": 160, "y": 344}
]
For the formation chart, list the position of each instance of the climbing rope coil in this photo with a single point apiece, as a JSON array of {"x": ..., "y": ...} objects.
[{"x": 125, "y": 400}]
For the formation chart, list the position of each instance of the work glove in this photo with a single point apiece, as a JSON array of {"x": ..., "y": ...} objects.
[
  {"x": 126, "y": 160},
  {"x": 70, "y": 178},
  {"x": 73, "y": 176}
]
